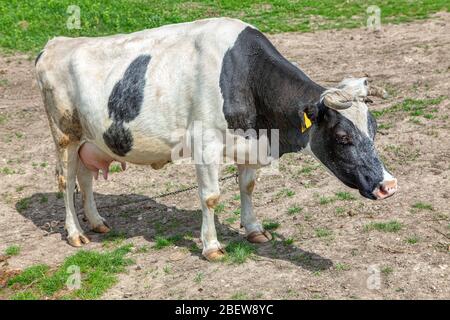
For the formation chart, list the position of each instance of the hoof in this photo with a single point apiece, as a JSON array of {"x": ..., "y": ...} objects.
[
  {"x": 101, "y": 229},
  {"x": 259, "y": 237},
  {"x": 78, "y": 240},
  {"x": 214, "y": 254}
]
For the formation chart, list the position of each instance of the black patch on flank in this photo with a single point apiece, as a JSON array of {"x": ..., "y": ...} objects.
[
  {"x": 38, "y": 57},
  {"x": 118, "y": 139},
  {"x": 124, "y": 105},
  {"x": 263, "y": 90}
]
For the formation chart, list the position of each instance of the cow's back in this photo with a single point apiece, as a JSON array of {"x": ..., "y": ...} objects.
[{"x": 180, "y": 69}]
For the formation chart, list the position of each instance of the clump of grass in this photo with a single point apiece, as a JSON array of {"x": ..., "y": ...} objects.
[
  {"x": 23, "y": 204},
  {"x": 30, "y": 275},
  {"x": 345, "y": 196},
  {"x": 326, "y": 200},
  {"x": 219, "y": 208},
  {"x": 323, "y": 232},
  {"x": 412, "y": 240},
  {"x": 340, "y": 211},
  {"x": 7, "y": 171},
  {"x": 13, "y": 250},
  {"x": 231, "y": 220},
  {"x": 286, "y": 193},
  {"x": 387, "y": 270},
  {"x": 98, "y": 272},
  {"x": 114, "y": 238},
  {"x": 390, "y": 226},
  {"x": 163, "y": 242},
  {"x": 239, "y": 296},
  {"x": 414, "y": 107},
  {"x": 342, "y": 267},
  {"x": 287, "y": 242},
  {"x": 294, "y": 210},
  {"x": 24, "y": 295},
  {"x": 230, "y": 169},
  {"x": 198, "y": 277},
  {"x": 239, "y": 251},
  {"x": 422, "y": 206},
  {"x": 115, "y": 167},
  {"x": 143, "y": 249},
  {"x": 270, "y": 225}
]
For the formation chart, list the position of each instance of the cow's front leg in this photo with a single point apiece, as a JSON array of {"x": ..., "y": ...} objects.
[
  {"x": 208, "y": 182},
  {"x": 67, "y": 171},
  {"x": 253, "y": 229},
  {"x": 98, "y": 224}
]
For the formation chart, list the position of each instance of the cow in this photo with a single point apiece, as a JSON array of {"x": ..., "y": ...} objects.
[{"x": 121, "y": 98}]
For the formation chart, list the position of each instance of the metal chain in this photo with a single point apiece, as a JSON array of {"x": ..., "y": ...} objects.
[{"x": 163, "y": 195}]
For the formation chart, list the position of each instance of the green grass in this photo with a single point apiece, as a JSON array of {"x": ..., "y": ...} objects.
[
  {"x": 287, "y": 242},
  {"x": 270, "y": 225},
  {"x": 414, "y": 107},
  {"x": 97, "y": 274},
  {"x": 387, "y": 270},
  {"x": 219, "y": 208},
  {"x": 26, "y": 25},
  {"x": 7, "y": 171},
  {"x": 239, "y": 251},
  {"x": 285, "y": 193},
  {"x": 13, "y": 250},
  {"x": 422, "y": 206},
  {"x": 345, "y": 196},
  {"x": 326, "y": 200},
  {"x": 24, "y": 295},
  {"x": 30, "y": 275},
  {"x": 163, "y": 242},
  {"x": 23, "y": 204},
  {"x": 294, "y": 210},
  {"x": 198, "y": 277},
  {"x": 390, "y": 226},
  {"x": 114, "y": 168},
  {"x": 114, "y": 238},
  {"x": 412, "y": 240},
  {"x": 323, "y": 232},
  {"x": 239, "y": 296},
  {"x": 342, "y": 267}
]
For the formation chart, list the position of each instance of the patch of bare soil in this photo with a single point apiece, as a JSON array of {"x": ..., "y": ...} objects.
[{"x": 331, "y": 254}]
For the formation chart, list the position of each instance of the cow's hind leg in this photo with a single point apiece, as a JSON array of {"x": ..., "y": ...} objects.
[
  {"x": 253, "y": 229},
  {"x": 98, "y": 224},
  {"x": 208, "y": 181}
]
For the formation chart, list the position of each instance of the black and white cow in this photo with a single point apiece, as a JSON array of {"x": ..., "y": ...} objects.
[{"x": 122, "y": 98}]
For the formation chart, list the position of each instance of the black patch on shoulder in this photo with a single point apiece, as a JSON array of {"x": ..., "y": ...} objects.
[
  {"x": 263, "y": 90},
  {"x": 124, "y": 105},
  {"x": 38, "y": 57}
]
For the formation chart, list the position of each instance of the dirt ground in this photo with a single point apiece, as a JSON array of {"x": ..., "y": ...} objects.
[{"x": 410, "y": 60}]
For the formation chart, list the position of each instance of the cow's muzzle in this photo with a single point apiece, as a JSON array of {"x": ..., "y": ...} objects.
[{"x": 386, "y": 189}]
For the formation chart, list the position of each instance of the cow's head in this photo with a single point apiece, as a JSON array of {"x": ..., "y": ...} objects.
[{"x": 342, "y": 138}]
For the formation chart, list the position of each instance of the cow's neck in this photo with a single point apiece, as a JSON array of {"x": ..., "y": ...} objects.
[{"x": 281, "y": 91}]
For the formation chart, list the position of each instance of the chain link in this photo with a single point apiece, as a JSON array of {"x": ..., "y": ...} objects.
[{"x": 163, "y": 195}]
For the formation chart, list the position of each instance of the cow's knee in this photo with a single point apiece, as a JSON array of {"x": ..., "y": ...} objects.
[{"x": 212, "y": 201}]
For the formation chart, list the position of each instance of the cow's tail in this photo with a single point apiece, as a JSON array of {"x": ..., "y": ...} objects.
[{"x": 38, "y": 57}]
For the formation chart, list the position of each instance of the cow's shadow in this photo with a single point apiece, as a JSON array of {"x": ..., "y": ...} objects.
[{"x": 134, "y": 215}]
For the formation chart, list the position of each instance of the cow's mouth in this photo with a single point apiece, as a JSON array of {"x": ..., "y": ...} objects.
[{"x": 386, "y": 189}]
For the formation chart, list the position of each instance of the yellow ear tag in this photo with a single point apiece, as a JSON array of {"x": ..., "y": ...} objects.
[{"x": 308, "y": 123}]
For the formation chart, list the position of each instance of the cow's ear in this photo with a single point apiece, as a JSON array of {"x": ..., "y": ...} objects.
[{"x": 312, "y": 112}]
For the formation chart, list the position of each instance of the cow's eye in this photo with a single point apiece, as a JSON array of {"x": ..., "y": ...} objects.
[{"x": 343, "y": 138}]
